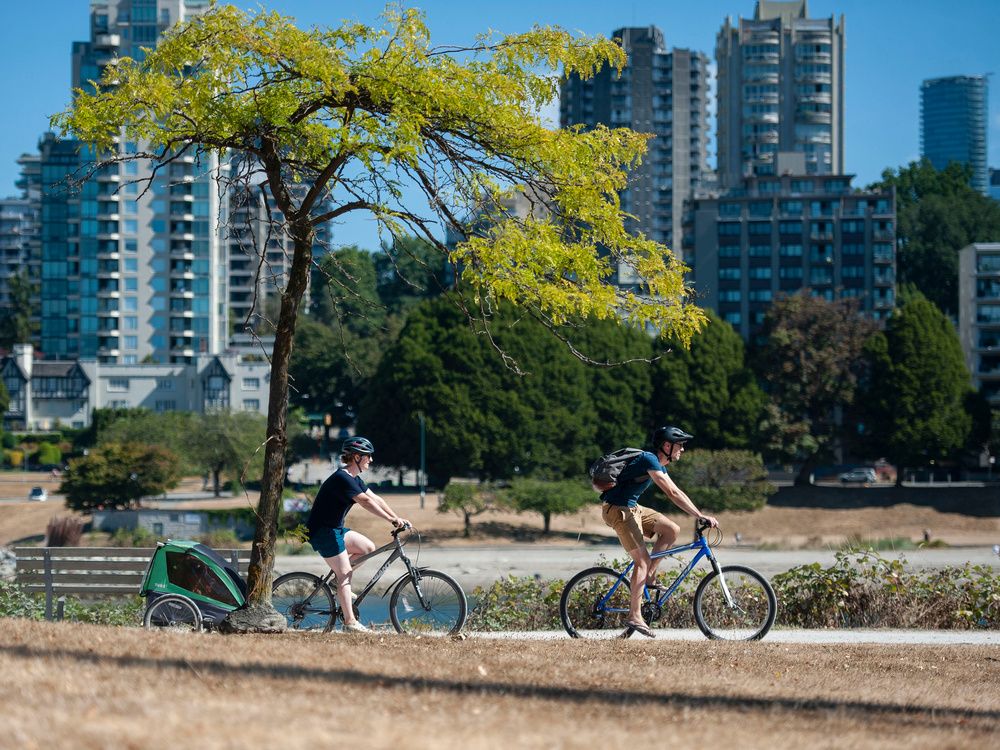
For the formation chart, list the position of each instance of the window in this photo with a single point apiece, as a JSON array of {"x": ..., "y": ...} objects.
[
  {"x": 790, "y": 227},
  {"x": 759, "y": 227},
  {"x": 729, "y": 273},
  {"x": 760, "y": 251},
  {"x": 790, "y": 251},
  {"x": 164, "y": 384},
  {"x": 733, "y": 318},
  {"x": 760, "y": 295},
  {"x": 730, "y": 295},
  {"x": 130, "y": 342},
  {"x": 251, "y": 404},
  {"x": 729, "y": 251},
  {"x": 167, "y": 405},
  {"x": 790, "y": 272},
  {"x": 117, "y": 385},
  {"x": 764, "y": 272},
  {"x": 251, "y": 384},
  {"x": 729, "y": 229},
  {"x": 188, "y": 572}
]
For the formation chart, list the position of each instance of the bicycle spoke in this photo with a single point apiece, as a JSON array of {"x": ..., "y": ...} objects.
[
  {"x": 748, "y": 617},
  {"x": 595, "y": 604}
]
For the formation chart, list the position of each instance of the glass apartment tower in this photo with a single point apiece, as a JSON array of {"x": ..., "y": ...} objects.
[
  {"x": 780, "y": 89},
  {"x": 953, "y": 124},
  {"x": 133, "y": 263},
  {"x": 660, "y": 92}
]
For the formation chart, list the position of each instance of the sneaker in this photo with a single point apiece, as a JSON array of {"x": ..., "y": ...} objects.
[{"x": 356, "y": 627}]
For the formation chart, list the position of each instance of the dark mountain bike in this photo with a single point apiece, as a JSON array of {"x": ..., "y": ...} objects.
[{"x": 421, "y": 601}]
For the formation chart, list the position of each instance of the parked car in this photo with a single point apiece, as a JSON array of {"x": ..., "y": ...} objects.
[
  {"x": 39, "y": 494},
  {"x": 866, "y": 476}
]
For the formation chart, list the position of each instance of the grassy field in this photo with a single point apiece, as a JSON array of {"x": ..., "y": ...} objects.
[{"x": 82, "y": 686}]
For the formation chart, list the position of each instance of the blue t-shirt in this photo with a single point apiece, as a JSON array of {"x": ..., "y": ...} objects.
[
  {"x": 334, "y": 500},
  {"x": 633, "y": 481}
]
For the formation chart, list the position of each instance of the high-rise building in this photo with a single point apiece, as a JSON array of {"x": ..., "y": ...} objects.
[
  {"x": 780, "y": 89},
  {"x": 778, "y": 235},
  {"x": 133, "y": 260},
  {"x": 18, "y": 237},
  {"x": 994, "y": 188},
  {"x": 663, "y": 92},
  {"x": 953, "y": 124},
  {"x": 979, "y": 315}
]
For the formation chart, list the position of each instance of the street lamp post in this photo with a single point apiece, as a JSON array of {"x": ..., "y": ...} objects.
[{"x": 423, "y": 453}]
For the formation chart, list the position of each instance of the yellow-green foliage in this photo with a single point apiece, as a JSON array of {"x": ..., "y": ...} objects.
[{"x": 361, "y": 112}]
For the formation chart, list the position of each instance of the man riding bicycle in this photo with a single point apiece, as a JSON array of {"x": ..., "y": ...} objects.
[
  {"x": 631, "y": 521},
  {"x": 337, "y": 544}
]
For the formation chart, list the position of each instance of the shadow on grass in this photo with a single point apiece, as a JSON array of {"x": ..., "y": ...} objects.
[{"x": 863, "y": 710}]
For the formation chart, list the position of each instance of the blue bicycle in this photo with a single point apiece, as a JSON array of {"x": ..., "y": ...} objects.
[{"x": 732, "y": 602}]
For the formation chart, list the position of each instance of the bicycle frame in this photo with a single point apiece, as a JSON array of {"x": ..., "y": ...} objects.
[
  {"x": 397, "y": 554},
  {"x": 702, "y": 550}
]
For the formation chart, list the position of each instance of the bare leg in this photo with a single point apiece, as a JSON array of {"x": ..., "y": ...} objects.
[
  {"x": 639, "y": 573},
  {"x": 341, "y": 567},
  {"x": 666, "y": 534}
]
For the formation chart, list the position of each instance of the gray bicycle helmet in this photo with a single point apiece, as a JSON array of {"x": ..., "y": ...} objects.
[
  {"x": 669, "y": 435},
  {"x": 359, "y": 445}
]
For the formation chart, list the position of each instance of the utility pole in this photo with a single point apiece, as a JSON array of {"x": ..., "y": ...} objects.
[{"x": 423, "y": 453}]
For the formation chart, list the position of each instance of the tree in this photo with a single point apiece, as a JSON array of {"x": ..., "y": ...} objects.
[
  {"x": 470, "y": 499},
  {"x": 4, "y": 399},
  {"x": 937, "y": 213},
  {"x": 549, "y": 498},
  {"x": 723, "y": 480},
  {"x": 708, "y": 389},
  {"x": 919, "y": 386},
  {"x": 619, "y": 384},
  {"x": 16, "y": 326},
  {"x": 344, "y": 293},
  {"x": 228, "y": 443},
  {"x": 117, "y": 476},
  {"x": 810, "y": 364},
  {"x": 356, "y": 113},
  {"x": 482, "y": 419}
]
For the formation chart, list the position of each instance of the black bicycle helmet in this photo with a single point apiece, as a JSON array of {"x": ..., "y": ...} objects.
[
  {"x": 669, "y": 435},
  {"x": 359, "y": 445}
]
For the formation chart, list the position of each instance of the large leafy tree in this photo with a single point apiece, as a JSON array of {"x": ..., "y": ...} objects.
[
  {"x": 482, "y": 418},
  {"x": 709, "y": 390},
  {"x": 119, "y": 476},
  {"x": 938, "y": 213},
  {"x": 356, "y": 113},
  {"x": 16, "y": 325},
  {"x": 809, "y": 363},
  {"x": 919, "y": 386}
]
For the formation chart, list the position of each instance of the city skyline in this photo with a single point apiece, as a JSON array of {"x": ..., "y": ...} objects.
[{"x": 891, "y": 48}]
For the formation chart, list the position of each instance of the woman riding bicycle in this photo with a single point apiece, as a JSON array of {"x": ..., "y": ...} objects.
[
  {"x": 631, "y": 521},
  {"x": 337, "y": 544}
]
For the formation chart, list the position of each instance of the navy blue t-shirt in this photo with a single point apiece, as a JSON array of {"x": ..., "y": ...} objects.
[
  {"x": 629, "y": 488},
  {"x": 334, "y": 499}
]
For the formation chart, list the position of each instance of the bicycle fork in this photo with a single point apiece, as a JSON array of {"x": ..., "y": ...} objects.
[{"x": 730, "y": 602}]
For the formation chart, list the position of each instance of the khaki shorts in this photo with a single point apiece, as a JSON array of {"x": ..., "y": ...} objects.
[{"x": 631, "y": 524}]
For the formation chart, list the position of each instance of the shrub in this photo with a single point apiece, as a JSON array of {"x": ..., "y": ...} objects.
[
  {"x": 48, "y": 455},
  {"x": 549, "y": 498},
  {"x": 863, "y": 589},
  {"x": 221, "y": 539},
  {"x": 13, "y": 458},
  {"x": 517, "y": 603},
  {"x": 137, "y": 537},
  {"x": 63, "y": 532},
  {"x": 720, "y": 480},
  {"x": 14, "y": 602}
]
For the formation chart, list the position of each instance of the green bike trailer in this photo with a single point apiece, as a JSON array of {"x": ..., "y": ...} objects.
[{"x": 191, "y": 573}]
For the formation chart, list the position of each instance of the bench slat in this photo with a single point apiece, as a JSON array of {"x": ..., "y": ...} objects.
[
  {"x": 100, "y": 591},
  {"x": 59, "y": 579},
  {"x": 64, "y": 565}
]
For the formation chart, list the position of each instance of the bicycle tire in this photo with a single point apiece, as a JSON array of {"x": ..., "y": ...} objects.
[
  {"x": 581, "y": 609},
  {"x": 289, "y": 595},
  {"x": 174, "y": 612},
  {"x": 753, "y": 615},
  {"x": 446, "y": 606}
]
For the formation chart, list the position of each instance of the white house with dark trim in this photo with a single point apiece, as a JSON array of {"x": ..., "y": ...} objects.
[{"x": 48, "y": 393}]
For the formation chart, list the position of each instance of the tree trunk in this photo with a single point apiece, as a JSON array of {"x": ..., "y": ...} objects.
[
  {"x": 547, "y": 519},
  {"x": 468, "y": 524},
  {"x": 215, "y": 482},
  {"x": 260, "y": 616}
]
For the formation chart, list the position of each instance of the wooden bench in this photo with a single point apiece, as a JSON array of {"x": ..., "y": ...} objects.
[{"x": 91, "y": 572}]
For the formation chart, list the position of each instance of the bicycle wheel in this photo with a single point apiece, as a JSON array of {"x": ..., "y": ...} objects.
[
  {"x": 595, "y": 604},
  {"x": 439, "y": 608},
  {"x": 305, "y": 600},
  {"x": 751, "y": 614},
  {"x": 174, "y": 611}
]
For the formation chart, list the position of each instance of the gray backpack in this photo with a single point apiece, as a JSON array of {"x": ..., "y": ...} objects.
[{"x": 604, "y": 471}]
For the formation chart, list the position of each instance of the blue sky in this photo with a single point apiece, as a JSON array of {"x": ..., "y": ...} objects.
[{"x": 892, "y": 45}]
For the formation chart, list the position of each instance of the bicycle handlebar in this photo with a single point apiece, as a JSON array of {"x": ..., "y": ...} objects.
[
  {"x": 400, "y": 529},
  {"x": 701, "y": 525}
]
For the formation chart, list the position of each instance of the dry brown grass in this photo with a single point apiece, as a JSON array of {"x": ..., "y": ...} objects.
[{"x": 81, "y": 686}]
